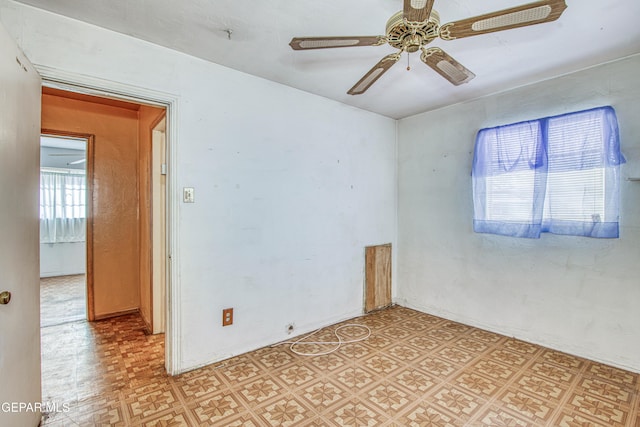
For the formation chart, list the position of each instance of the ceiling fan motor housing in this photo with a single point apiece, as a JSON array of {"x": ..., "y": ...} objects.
[{"x": 410, "y": 36}]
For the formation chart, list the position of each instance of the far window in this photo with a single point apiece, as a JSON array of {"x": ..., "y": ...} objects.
[
  {"x": 62, "y": 206},
  {"x": 558, "y": 174},
  {"x": 63, "y": 198}
]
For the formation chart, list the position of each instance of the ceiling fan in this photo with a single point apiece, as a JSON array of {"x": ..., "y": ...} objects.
[
  {"x": 418, "y": 24},
  {"x": 83, "y": 158}
]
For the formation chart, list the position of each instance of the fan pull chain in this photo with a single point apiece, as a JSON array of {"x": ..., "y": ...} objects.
[{"x": 408, "y": 66}]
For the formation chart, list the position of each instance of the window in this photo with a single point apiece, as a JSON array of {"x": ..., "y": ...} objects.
[
  {"x": 62, "y": 206},
  {"x": 557, "y": 174}
]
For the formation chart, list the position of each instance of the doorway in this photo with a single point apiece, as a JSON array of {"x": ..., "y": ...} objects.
[
  {"x": 120, "y": 286},
  {"x": 80, "y": 86},
  {"x": 119, "y": 218},
  {"x": 63, "y": 228}
]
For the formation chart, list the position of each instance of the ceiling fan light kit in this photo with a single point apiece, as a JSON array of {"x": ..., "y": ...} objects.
[{"x": 418, "y": 24}]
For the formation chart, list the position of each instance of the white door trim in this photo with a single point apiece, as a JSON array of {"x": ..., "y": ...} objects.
[{"x": 65, "y": 80}]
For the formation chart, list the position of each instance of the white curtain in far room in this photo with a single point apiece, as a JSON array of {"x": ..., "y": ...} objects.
[{"x": 62, "y": 206}]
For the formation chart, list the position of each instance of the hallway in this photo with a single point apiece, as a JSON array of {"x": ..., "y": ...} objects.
[{"x": 94, "y": 367}]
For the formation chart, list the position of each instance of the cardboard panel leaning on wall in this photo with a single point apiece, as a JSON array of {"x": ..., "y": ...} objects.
[{"x": 574, "y": 294}]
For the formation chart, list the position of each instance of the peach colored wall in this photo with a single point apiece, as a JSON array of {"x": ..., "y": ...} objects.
[
  {"x": 148, "y": 116},
  {"x": 116, "y": 228}
]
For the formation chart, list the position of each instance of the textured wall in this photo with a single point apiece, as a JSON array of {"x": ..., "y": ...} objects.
[
  {"x": 574, "y": 294},
  {"x": 61, "y": 259}
]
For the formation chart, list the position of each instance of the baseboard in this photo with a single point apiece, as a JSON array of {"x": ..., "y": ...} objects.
[
  {"x": 116, "y": 314},
  {"x": 148, "y": 330},
  {"x": 574, "y": 351}
]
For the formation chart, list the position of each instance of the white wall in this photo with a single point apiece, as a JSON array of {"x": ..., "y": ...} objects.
[
  {"x": 289, "y": 187},
  {"x": 578, "y": 295},
  {"x": 62, "y": 259}
]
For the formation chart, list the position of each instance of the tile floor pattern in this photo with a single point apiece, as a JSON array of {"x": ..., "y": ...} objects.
[
  {"x": 62, "y": 299},
  {"x": 414, "y": 370}
]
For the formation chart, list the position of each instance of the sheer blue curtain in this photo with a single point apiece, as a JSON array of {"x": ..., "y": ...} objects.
[
  {"x": 558, "y": 174},
  {"x": 509, "y": 177}
]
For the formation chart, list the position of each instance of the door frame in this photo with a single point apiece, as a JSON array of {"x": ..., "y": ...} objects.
[
  {"x": 158, "y": 322},
  {"x": 87, "y": 85},
  {"x": 89, "y": 169}
]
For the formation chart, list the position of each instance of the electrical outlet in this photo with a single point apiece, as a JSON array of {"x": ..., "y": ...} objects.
[{"x": 227, "y": 317}]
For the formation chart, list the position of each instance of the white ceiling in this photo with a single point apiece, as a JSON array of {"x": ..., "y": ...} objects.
[
  {"x": 589, "y": 32},
  {"x": 62, "y": 152},
  {"x": 63, "y": 142}
]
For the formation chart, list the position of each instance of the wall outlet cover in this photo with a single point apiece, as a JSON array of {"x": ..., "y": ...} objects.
[{"x": 227, "y": 317}]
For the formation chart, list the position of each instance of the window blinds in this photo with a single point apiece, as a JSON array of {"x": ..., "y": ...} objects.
[{"x": 557, "y": 174}]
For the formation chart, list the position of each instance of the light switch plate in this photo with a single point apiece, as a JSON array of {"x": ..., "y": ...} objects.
[{"x": 188, "y": 195}]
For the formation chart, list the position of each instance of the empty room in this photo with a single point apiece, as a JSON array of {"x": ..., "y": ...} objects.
[{"x": 394, "y": 213}]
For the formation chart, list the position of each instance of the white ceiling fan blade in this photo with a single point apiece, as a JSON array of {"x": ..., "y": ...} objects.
[
  {"x": 446, "y": 66},
  {"x": 417, "y": 10},
  {"x": 306, "y": 43},
  {"x": 374, "y": 74},
  {"x": 515, "y": 17},
  {"x": 77, "y": 162}
]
